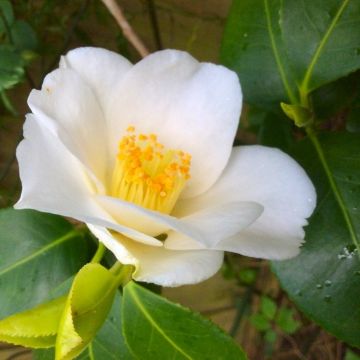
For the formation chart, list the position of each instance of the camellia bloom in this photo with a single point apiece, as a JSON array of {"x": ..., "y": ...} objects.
[{"x": 143, "y": 154}]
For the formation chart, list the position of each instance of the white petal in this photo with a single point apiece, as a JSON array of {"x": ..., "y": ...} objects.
[
  {"x": 161, "y": 266},
  {"x": 67, "y": 106},
  {"x": 191, "y": 106},
  {"x": 217, "y": 223},
  {"x": 273, "y": 179},
  {"x": 54, "y": 181},
  {"x": 101, "y": 69},
  {"x": 203, "y": 229}
]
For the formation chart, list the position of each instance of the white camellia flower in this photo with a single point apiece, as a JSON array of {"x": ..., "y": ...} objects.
[{"x": 143, "y": 154}]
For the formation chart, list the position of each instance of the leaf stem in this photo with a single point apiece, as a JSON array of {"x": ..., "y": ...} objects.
[
  {"x": 241, "y": 306},
  {"x": 116, "y": 267},
  {"x": 99, "y": 253},
  {"x": 334, "y": 187},
  {"x": 123, "y": 275}
]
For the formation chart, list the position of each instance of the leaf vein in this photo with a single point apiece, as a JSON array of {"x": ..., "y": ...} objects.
[
  {"x": 39, "y": 252},
  {"x": 276, "y": 54},
  {"x": 305, "y": 83},
  {"x": 154, "y": 324}
]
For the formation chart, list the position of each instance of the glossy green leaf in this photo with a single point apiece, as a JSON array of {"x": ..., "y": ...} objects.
[
  {"x": 88, "y": 304},
  {"x": 276, "y": 131},
  {"x": 108, "y": 343},
  {"x": 34, "y": 328},
  {"x": 324, "y": 280},
  {"x": 337, "y": 96},
  {"x": 330, "y": 30},
  {"x": 160, "y": 329},
  {"x": 353, "y": 120},
  {"x": 268, "y": 307},
  {"x": 38, "y": 252},
  {"x": 284, "y": 49}
]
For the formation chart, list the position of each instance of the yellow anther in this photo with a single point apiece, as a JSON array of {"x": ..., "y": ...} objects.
[
  {"x": 174, "y": 166},
  {"x": 147, "y": 177}
]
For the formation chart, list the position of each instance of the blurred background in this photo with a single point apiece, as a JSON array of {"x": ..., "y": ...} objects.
[{"x": 245, "y": 298}]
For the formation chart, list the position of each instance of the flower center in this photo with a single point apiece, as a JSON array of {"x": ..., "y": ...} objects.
[{"x": 148, "y": 174}]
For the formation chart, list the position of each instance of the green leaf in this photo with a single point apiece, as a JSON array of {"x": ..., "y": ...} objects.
[
  {"x": 87, "y": 306},
  {"x": 300, "y": 115},
  {"x": 11, "y": 67},
  {"x": 34, "y": 328},
  {"x": 324, "y": 279},
  {"x": 285, "y": 320},
  {"x": 23, "y": 36},
  {"x": 252, "y": 118},
  {"x": 260, "y": 322},
  {"x": 276, "y": 131},
  {"x": 283, "y": 50},
  {"x": 331, "y": 29},
  {"x": 247, "y": 276},
  {"x": 351, "y": 356},
  {"x": 250, "y": 49},
  {"x": 268, "y": 307},
  {"x": 270, "y": 336},
  {"x": 38, "y": 252},
  {"x": 108, "y": 343},
  {"x": 353, "y": 120},
  {"x": 6, "y": 15},
  {"x": 337, "y": 96},
  {"x": 162, "y": 330}
]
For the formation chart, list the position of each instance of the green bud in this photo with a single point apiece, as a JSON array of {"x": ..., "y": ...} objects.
[{"x": 301, "y": 116}]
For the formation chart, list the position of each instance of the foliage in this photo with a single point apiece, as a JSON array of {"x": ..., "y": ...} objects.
[
  {"x": 271, "y": 320},
  {"x": 180, "y": 333},
  {"x": 298, "y": 63},
  {"x": 264, "y": 42}
]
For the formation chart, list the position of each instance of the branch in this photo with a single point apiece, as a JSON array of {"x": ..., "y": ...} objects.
[{"x": 127, "y": 30}]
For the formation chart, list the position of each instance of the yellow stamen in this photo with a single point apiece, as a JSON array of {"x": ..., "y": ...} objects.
[{"x": 148, "y": 174}]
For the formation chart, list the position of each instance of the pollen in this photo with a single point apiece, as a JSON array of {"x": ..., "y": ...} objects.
[{"x": 148, "y": 174}]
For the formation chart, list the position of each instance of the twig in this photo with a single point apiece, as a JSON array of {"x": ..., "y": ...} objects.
[
  {"x": 310, "y": 341},
  {"x": 127, "y": 30},
  {"x": 292, "y": 342},
  {"x": 155, "y": 24}
]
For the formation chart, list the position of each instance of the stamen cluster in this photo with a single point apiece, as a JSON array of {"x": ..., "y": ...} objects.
[{"x": 148, "y": 174}]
